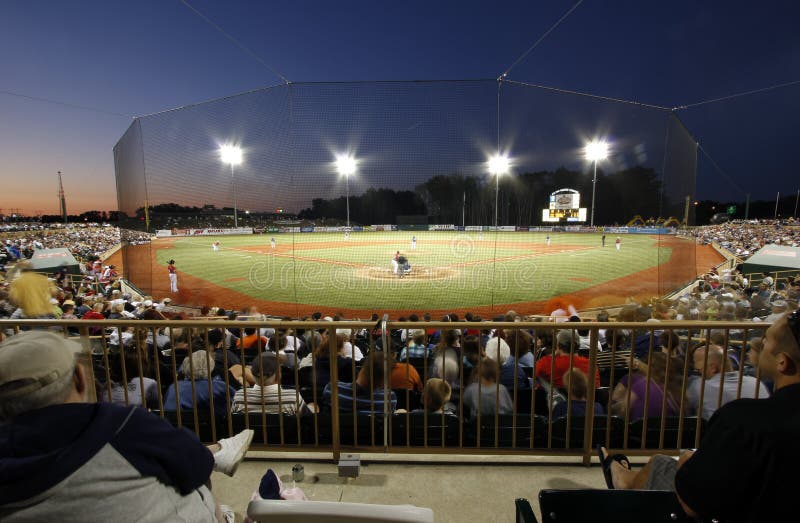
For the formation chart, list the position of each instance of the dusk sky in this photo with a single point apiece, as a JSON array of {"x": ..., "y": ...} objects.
[{"x": 108, "y": 61}]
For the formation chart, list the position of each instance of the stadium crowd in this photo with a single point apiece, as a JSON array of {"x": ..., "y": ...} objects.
[
  {"x": 456, "y": 372},
  {"x": 743, "y": 238}
]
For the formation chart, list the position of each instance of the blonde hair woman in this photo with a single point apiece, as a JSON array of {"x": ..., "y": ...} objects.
[{"x": 31, "y": 293}]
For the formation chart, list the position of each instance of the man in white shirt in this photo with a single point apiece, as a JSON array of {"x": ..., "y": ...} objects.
[
  {"x": 716, "y": 370},
  {"x": 267, "y": 395}
]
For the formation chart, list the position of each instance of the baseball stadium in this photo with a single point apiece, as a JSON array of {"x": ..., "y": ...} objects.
[{"x": 377, "y": 301}]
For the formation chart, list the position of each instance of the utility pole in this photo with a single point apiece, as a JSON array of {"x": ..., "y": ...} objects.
[{"x": 61, "y": 200}]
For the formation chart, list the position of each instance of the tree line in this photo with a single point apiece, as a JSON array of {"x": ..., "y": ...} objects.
[{"x": 468, "y": 199}]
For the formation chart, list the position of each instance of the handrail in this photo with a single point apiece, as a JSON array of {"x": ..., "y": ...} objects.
[{"x": 527, "y": 433}]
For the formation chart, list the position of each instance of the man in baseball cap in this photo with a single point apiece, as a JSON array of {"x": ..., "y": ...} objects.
[{"x": 57, "y": 450}]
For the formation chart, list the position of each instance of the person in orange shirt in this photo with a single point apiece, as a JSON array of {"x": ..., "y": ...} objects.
[
  {"x": 564, "y": 340},
  {"x": 404, "y": 376},
  {"x": 252, "y": 342}
]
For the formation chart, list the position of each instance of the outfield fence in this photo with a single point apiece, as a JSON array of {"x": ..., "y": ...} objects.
[{"x": 536, "y": 417}]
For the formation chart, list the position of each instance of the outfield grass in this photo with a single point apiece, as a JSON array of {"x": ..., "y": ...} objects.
[{"x": 326, "y": 270}]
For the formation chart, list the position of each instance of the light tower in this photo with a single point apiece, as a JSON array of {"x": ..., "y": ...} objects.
[{"x": 61, "y": 200}]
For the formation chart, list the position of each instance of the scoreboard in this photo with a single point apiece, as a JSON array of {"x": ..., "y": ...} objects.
[
  {"x": 564, "y": 215},
  {"x": 564, "y": 207}
]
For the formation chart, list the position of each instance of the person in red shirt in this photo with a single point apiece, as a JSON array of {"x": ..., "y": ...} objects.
[
  {"x": 95, "y": 313},
  {"x": 173, "y": 276},
  {"x": 564, "y": 339}
]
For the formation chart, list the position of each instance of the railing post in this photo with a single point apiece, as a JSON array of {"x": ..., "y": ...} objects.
[
  {"x": 334, "y": 365},
  {"x": 387, "y": 380},
  {"x": 588, "y": 427}
]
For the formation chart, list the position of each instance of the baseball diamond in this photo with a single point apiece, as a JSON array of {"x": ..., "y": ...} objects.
[{"x": 451, "y": 271}]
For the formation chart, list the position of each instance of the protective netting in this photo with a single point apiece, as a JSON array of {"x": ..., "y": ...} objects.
[{"x": 421, "y": 152}]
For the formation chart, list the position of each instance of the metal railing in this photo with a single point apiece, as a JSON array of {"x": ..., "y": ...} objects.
[{"x": 653, "y": 403}]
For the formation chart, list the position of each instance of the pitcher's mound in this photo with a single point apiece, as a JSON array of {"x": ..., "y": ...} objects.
[{"x": 416, "y": 274}]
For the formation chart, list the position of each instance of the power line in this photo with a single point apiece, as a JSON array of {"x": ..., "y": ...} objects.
[
  {"x": 541, "y": 39},
  {"x": 235, "y": 41},
  {"x": 737, "y": 95},
  {"x": 65, "y": 104}
]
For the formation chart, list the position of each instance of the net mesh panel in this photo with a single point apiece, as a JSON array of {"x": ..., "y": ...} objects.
[
  {"x": 421, "y": 149},
  {"x": 129, "y": 165},
  {"x": 678, "y": 257}
]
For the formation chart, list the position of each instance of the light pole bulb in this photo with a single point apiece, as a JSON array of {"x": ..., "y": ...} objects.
[{"x": 345, "y": 164}]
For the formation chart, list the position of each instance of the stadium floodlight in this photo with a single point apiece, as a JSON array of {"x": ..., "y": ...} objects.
[
  {"x": 232, "y": 155},
  {"x": 499, "y": 165},
  {"x": 346, "y": 165},
  {"x": 595, "y": 151}
]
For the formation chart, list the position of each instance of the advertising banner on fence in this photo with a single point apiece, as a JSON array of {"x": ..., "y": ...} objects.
[
  {"x": 161, "y": 233},
  {"x": 442, "y": 227}
]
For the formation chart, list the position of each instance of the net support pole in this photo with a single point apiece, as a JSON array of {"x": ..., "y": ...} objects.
[
  {"x": 796, "y": 202},
  {"x": 747, "y": 206},
  {"x": 777, "y": 200}
]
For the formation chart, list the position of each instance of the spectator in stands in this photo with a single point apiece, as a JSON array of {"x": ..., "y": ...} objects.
[
  {"x": 253, "y": 343},
  {"x": 436, "y": 397},
  {"x": 121, "y": 337},
  {"x": 715, "y": 370},
  {"x": 511, "y": 375},
  {"x": 80, "y": 307},
  {"x": 755, "y": 346},
  {"x": 133, "y": 466},
  {"x": 31, "y": 293},
  {"x": 746, "y": 466},
  {"x": 449, "y": 345},
  {"x": 136, "y": 391},
  {"x": 278, "y": 344},
  {"x": 417, "y": 346},
  {"x": 553, "y": 367},
  {"x": 404, "y": 376},
  {"x": 366, "y": 393},
  {"x": 320, "y": 358},
  {"x": 68, "y": 310},
  {"x": 197, "y": 378},
  {"x": 267, "y": 395},
  {"x": 670, "y": 343},
  {"x": 520, "y": 343},
  {"x": 485, "y": 394},
  {"x": 646, "y": 383},
  {"x": 224, "y": 359},
  {"x": 577, "y": 384},
  {"x": 350, "y": 349},
  {"x": 473, "y": 352},
  {"x": 447, "y": 368}
]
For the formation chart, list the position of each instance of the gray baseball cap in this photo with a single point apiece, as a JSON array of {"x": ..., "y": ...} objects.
[{"x": 34, "y": 359}]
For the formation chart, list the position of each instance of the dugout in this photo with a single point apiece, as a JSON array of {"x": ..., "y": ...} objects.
[
  {"x": 774, "y": 258},
  {"x": 51, "y": 260}
]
